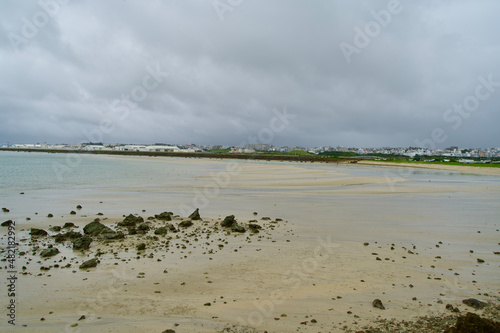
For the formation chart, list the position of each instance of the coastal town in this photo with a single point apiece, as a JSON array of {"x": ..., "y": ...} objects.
[{"x": 464, "y": 155}]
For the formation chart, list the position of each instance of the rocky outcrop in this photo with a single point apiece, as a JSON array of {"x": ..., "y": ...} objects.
[{"x": 130, "y": 221}]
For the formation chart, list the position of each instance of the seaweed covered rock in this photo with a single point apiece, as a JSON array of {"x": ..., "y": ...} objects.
[
  {"x": 474, "y": 303},
  {"x": 50, "y": 252},
  {"x": 6, "y": 223},
  {"x": 185, "y": 224},
  {"x": 195, "y": 215},
  {"x": 89, "y": 263},
  {"x": 228, "y": 221},
  {"x": 142, "y": 228},
  {"x": 161, "y": 231},
  {"x": 96, "y": 228},
  {"x": 82, "y": 243},
  {"x": 237, "y": 228},
  {"x": 130, "y": 221},
  {"x": 112, "y": 235},
  {"x": 254, "y": 227},
  {"x": 472, "y": 323},
  {"x": 38, "y": 233},
  {"x": 165, "y": 216}
]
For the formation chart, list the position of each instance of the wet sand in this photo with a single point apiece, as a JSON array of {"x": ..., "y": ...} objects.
[{"x": 345, "y": 239}]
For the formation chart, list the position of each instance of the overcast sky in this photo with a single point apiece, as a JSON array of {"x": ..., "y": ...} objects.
[{"x": 349, "y": 73}]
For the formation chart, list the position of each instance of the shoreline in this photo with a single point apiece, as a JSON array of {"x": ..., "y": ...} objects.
[
  {"x": 443, "y": 167},
  {"x": 485, "y": 170}
]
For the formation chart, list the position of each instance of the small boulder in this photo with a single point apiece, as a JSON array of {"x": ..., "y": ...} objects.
[
  {"x": 82, "y": 243},
  {"x": 130, "y": 221},
  {"x": 185, "y": 224},
  {"x": 141, "y": 247},
  {"x": 161, "y": 231},
  {"x": 5, "y": 210},
  {"x": 195, "y": 215},
  {"x": 38, "y": 233},
  {"x": 228, "y": 221},
  {"x": 237, "y": 228},
  {"x": 72, "y": 212},
  {"x": 474, "y": 303},
  {"x": 112, "y": 235},
  {"x": 50, "y": 252},
  {"x": 378, "y": 304},
  {"x": 165, "y": 216},
  {"x": 55, "y": 228},
  {"x": 95, "y": 228},
  {"x": 89, "y": 263},
  {"x": 68, "y": 225},
  {"x": 254, "y": 227}
]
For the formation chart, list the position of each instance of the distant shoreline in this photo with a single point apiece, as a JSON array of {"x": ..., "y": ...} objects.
[{"x": 283, "y": 158}]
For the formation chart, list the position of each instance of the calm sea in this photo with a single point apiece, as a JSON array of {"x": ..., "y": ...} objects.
[{"x": 112, "y": 185}]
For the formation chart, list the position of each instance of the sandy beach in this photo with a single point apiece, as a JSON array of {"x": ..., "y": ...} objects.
[{"x": 333, "y": 240}]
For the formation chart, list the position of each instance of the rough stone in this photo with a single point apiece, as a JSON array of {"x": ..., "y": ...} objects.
[
  {"x": 228, "y": 221},
  {"x": 96, "y": 228},
  {"x": 82, "y": 243},
  {"x": 472, "y": 323},
  {"x": 50, "y": 252},
  {"x": 130, "y": 221},
  {"x": 38, "y": 233},
  {"x": 165, "y": 216},
  {"x": 89, "y": 263},
  {"x": 378, "y": 304},
  {"x": 6, "y": 223},
  {"x": 474, "y": 303},
  {"x": 185, "y": 224},
  {"x": 195, "y": 215}
]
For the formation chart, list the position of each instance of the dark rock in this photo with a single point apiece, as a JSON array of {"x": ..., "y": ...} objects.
[
  {"x": 38, "y": 233},
  {"x": 132, "y": 231},
  {"x": 168, "y": 331},
  {"x": 55, "y": 228},
  {"x": 228, "y": 221},
  {"x": 378, "y": 304},
  {"x": 96, "y": 228},
  {"x": 130, "y": 221},
  {"x": 82, "y": 243},
  {"x": 5, "y": 210},
  {"x": 254, "y": 227},
  {"x": 474, "y": 303},
  {"x": 89, "y": 263},
  {"x": 50, "y": 215},
  {"x": 171, "y": 227},
  {"x": 68, "y": 225},
  {"x": 69, "y": 235},
  {"x": 165, "y": 216},
  {"x": 141, "y": 247},
  {"x": 143, "y": 227},
  {"x": 479, "y": 260},
  {"x": 161, "y": 231},
  {"x": 6, "y": 223},
  {"x": 72, "y": 212},
  {"x": 112, "y": 235},
  {"x": 472, "y": 323},
  {"x": 79, "y": 207},
  {"x": 185, "y": 224},
  {"x": 195, "y": 215},
  {"x": 237, "y": 228},
  {"x": 50, "y": 252}
]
